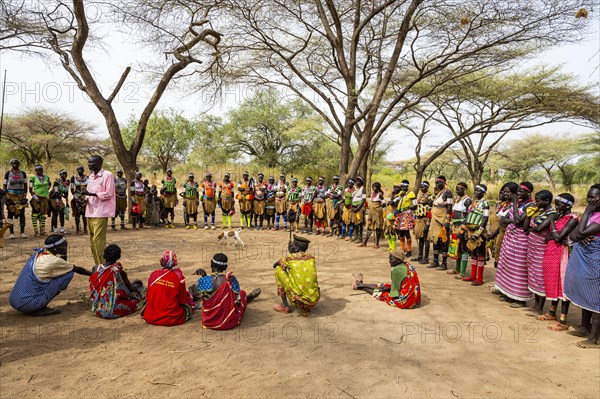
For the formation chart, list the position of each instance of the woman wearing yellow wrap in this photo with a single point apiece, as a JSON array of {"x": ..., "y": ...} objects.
[
  {"x": 296, "y": 277},
  {"x": 405, "y": 220}
]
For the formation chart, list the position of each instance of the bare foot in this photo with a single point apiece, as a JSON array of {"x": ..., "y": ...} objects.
[
  {"x": 281, "y": 309},
  {"x": 253, "y": 295},
  {"x": 587, "y": 344},
  {"x": 578, "y": 331}
]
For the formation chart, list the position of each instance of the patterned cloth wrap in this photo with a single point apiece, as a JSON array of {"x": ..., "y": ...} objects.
[
  {"x": 409, "y": 289},
  {"x": 296, "y": 278},
  {"x": 109, "y": 295}
]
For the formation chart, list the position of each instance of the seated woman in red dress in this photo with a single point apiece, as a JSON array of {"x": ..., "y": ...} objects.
[
  {"x": 405, "y": 290},
  {"x": 168, "y": 303},
  {"x": 223, "y": 302},
  {"x": 111, "y": 293}
]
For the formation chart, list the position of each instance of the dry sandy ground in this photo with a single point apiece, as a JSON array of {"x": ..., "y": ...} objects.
[{"x": 462, "y": 342}]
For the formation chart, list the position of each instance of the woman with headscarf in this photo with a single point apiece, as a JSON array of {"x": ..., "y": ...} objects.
[
  {"x": 223, "y": 301},
  {"x": 168, "y": 303},
  {"x": 556, "y": 258},
  {"x": 405, "y": 290},
  {"x": 537, "y": 225},
  {"x": 111, "y": 293},
  {"x": 582, "y": 278},
  {"x": 511, "y": 277}
]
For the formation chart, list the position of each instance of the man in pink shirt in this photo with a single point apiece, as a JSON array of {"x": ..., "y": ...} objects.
[{"x": 101, "y": 198}]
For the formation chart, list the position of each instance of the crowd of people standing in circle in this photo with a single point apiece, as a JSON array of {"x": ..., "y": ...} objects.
[{"x": 541, "y": 249}]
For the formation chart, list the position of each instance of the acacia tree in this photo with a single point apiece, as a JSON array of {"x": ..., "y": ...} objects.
[
  {"x": 41, "y": 135},
  {"x": 480, "y": 110},
  {"x": 273, "y": 132},
  {"x": 169, "y": 137},
  {"x": 176, "y": 30},
  {"x": 555, "y": 156},
  {"x": 356, "y": 62}
]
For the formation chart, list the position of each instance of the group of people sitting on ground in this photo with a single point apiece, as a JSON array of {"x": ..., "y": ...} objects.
[{"x": 165, "y": 300}]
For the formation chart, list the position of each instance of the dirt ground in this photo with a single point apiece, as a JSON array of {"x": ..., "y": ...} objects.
[{"x": 462, "y": 342}]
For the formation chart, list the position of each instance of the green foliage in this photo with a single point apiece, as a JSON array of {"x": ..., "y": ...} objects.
[
  {"x": 269, "y": 132},
  {"x": 210, "y": 151},
  {"x": 42, "y": 135},
  {"x": 169, "y": 137}
]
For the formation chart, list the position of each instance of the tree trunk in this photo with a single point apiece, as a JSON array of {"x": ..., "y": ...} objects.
[
  {"x": 345, "y": 153},
  {"x": 363, "y": 169},
  {"x": 477, "y": 173},
  {"x": 420, "y": 171}
]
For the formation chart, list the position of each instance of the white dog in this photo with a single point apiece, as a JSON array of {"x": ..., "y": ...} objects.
[{"x": 224, "y": 237}]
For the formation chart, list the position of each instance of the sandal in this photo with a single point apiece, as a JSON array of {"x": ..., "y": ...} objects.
[
  {"x": 355, "y": 281},
  {"x": 546, "y": 317},
  {"x": 452, "y": 272},
  {"x": 558, "y": 326}
]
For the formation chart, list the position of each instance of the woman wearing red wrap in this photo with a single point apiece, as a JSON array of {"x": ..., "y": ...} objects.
[
  {"x": 168, "y": 303},
  {"x": 223, "y": 302}
]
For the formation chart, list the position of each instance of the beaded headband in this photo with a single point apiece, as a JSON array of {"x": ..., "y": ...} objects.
[
  {"x": 565, "y": 201},
  {"x": 217, "y": 262},
  {"x": 55, "y": 244}
]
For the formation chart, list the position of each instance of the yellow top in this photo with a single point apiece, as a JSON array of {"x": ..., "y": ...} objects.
[{"x": 407, "y": 201}]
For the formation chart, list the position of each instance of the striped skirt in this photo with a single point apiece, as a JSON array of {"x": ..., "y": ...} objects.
[
  {"x": 536, "y": 247},
  {"x": 582, "y": 278},
  {"x": 511, "y": 277}
]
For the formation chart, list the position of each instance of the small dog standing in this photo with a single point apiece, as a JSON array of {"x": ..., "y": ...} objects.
[{"x": 235, "y": 234}]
